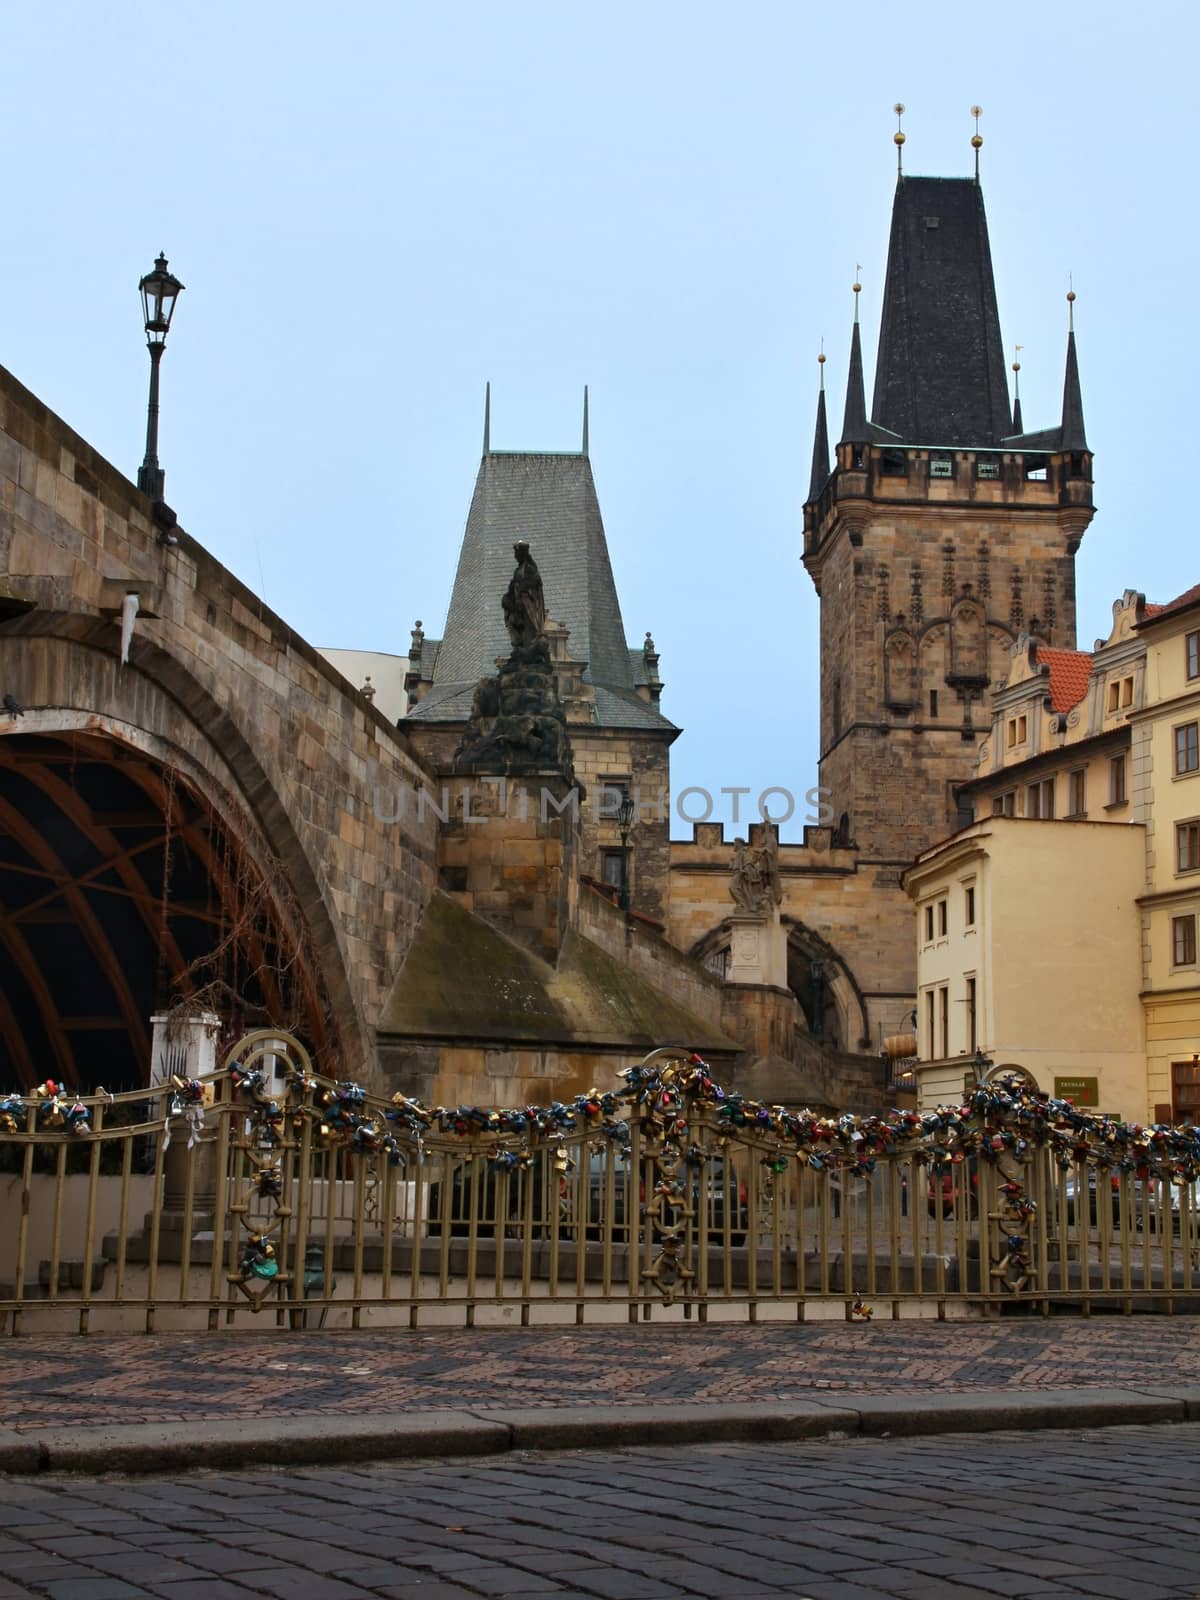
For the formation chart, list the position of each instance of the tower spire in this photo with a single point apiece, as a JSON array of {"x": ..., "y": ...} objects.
[
  {"x": 585, "y": 419},
  {"x": 1073, "y": 435},
  {"x": 1017, "y": 425},
  {"x": 898, "y": 138},
  {"x": 487, "y": 419},
  {"x": 854, "y": 420},
  {"x": 820, "y": 455}
]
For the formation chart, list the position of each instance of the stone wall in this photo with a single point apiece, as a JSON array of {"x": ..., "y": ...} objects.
[{"x": 270, "y": 727}]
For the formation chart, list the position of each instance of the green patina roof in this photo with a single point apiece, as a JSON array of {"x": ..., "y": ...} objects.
[{"x": 463, "y": 979}]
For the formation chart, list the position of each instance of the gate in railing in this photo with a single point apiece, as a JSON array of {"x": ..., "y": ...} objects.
[{"x": 267, "y": 1194}]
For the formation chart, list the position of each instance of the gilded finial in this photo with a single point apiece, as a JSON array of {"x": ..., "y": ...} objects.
[
  {"x": 857, "y": 286},
  {"x": 1071, "y": 303},
  {"x": 1016, "y": 366},
  {"x": 821, "y": 363},
  {"x": 898, "y": 137},
  {"x": 976, "y": 138}
]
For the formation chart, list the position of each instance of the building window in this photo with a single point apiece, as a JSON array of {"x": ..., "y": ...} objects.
[
  {"x": 929, "y": 924},
  {"x": 972, "y": 1019},
  {"x": 929, "y": 1034},
  {"x": 1185, "y": 1090},
  {"x": 1005, "y": 805},
  {"x": 1126, "y": 691},
  {"x": 1192, "y": 647},
  {"x": 933, "y": 710},
  {"x": 1077, "y": 792},
  {"x": 1118, "y": 794},
  {"x": 1183, "y": 940},
  {"x": 943, "y": 919},
  {"x": 612, "y": 868},
  {"x": 1187, "y": 748},
  {"x": 1039, "y": 799},
  {"x": 969, "y": 905},
  {"x": 1187, "y": 847},
  {"x": 1018, "y": 730},
  {"x": 1120, "y": 693},
  {"x": 944, "y": 1021},
  {"x": 612, "y": 793},
  {"x": 941, "y": 467},
  {"x": 985, "y": 468}
]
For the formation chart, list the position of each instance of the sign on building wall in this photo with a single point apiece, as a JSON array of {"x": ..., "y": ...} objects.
[{"x": 1079, "y": 1091}]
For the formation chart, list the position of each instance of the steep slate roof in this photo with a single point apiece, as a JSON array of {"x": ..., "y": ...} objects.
[
  {"x": 1070, "y": 673},
  {"x": 550, "y": 500},
  {"x": 940, "y": 377}
]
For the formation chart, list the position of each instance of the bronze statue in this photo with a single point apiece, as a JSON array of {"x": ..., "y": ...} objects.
[{"x": 524, "y": 601}]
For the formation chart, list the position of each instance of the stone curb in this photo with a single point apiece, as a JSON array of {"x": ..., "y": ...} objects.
[{"x": 329, "y": 1440}]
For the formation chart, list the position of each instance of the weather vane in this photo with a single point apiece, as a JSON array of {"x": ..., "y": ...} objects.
[{"x": 898, "y": 137}]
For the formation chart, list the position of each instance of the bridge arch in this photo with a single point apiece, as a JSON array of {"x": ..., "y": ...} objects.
[{"x": 116, "y": 781}]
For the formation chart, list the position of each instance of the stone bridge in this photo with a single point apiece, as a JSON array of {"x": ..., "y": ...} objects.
[{"x": 196, "y": 820}]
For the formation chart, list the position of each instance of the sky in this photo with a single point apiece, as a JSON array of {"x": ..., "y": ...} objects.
[{"x": 377, "y": 208}]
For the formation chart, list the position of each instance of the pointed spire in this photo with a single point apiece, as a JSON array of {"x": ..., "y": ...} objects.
[
  {"x": 898, "y": 138},
  {"x": 585, "y": 419},
  {"x": 487, "y": 419},
  {"x": 1017, "y": 425},
  {"x": 854, "y": 421},
  {"x": 1073, "y": 435},
  {"x": 820, "y": 455}
]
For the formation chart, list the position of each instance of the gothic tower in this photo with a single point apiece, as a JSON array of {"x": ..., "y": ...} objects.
[{"x": 941, "y": 532}]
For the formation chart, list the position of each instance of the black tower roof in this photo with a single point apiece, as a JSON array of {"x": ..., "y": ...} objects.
[{"x": 939, "y": 377}]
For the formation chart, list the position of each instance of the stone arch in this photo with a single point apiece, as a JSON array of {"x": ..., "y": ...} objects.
[
  {"x": 833, "y": 996},
  {"x": 62, "y": 666}
]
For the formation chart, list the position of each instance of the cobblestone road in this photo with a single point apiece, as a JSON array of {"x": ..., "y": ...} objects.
[{"x": 960, "y": 1518}]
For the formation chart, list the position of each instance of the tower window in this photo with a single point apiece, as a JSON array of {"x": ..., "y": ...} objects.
[
  {"x": 933, "y": 710},
  {"x": 941, "y": 467},
  {"x": 893, "y": 464},
  {"x": 987, "y": 467}
]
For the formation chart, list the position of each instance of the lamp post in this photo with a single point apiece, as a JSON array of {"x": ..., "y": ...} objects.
[
  {"x": 159, "y": 291},
  {"x": 625, "y": 815}
]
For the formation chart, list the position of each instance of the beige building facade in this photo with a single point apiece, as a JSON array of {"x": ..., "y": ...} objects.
[
  {"x": 1028, "y": 956},
  {"x": 1091, "y": 771}
]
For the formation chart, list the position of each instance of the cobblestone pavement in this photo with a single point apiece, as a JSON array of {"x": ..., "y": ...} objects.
[
  {"x": 74, "y": 1381},
  {"x": 1073, "y": 1513}
]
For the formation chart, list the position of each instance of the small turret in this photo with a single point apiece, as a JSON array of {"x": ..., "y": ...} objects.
[
  {"x": 1073, "y": 436},
  {"x": 854, "y": 421},
  {"x": 820, "y": 455}
]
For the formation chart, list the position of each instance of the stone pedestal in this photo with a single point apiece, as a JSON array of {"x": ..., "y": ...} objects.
[
  {"x": 758, "y": 948},
  {"x": 510, "y": 853}
]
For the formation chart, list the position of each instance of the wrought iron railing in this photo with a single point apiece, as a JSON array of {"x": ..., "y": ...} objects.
[{"x": 265, "y": 1192}]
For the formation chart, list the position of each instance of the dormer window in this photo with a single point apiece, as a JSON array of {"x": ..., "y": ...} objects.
[{"x": 1018, "y": 730}]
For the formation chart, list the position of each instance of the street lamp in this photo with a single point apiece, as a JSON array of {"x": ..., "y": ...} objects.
[
  {"x": 625, "y": 814},
  {"x": 159, "y": 290}
]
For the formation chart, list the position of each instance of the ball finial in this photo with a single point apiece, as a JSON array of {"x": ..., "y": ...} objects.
[
  {"x": 821, "y": 358},
  {"x": 898, "y": 108},
  {"x": 898, "y": 138},
  {"x": 1070, "y": 297}
]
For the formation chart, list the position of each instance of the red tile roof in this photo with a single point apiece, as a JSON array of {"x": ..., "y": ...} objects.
[
  {"x": 1182, "y": 602},
  {"x": 1070, "y": 671}
]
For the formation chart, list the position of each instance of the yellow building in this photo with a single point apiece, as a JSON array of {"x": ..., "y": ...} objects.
[
  {"x": 1047, "y": 938},
  {"x": 1166, "y": 791},
  {"x": 1028, "y": 953}
]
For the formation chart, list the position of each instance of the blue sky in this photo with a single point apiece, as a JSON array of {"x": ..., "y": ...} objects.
[{"x": 376, "y": 208}]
